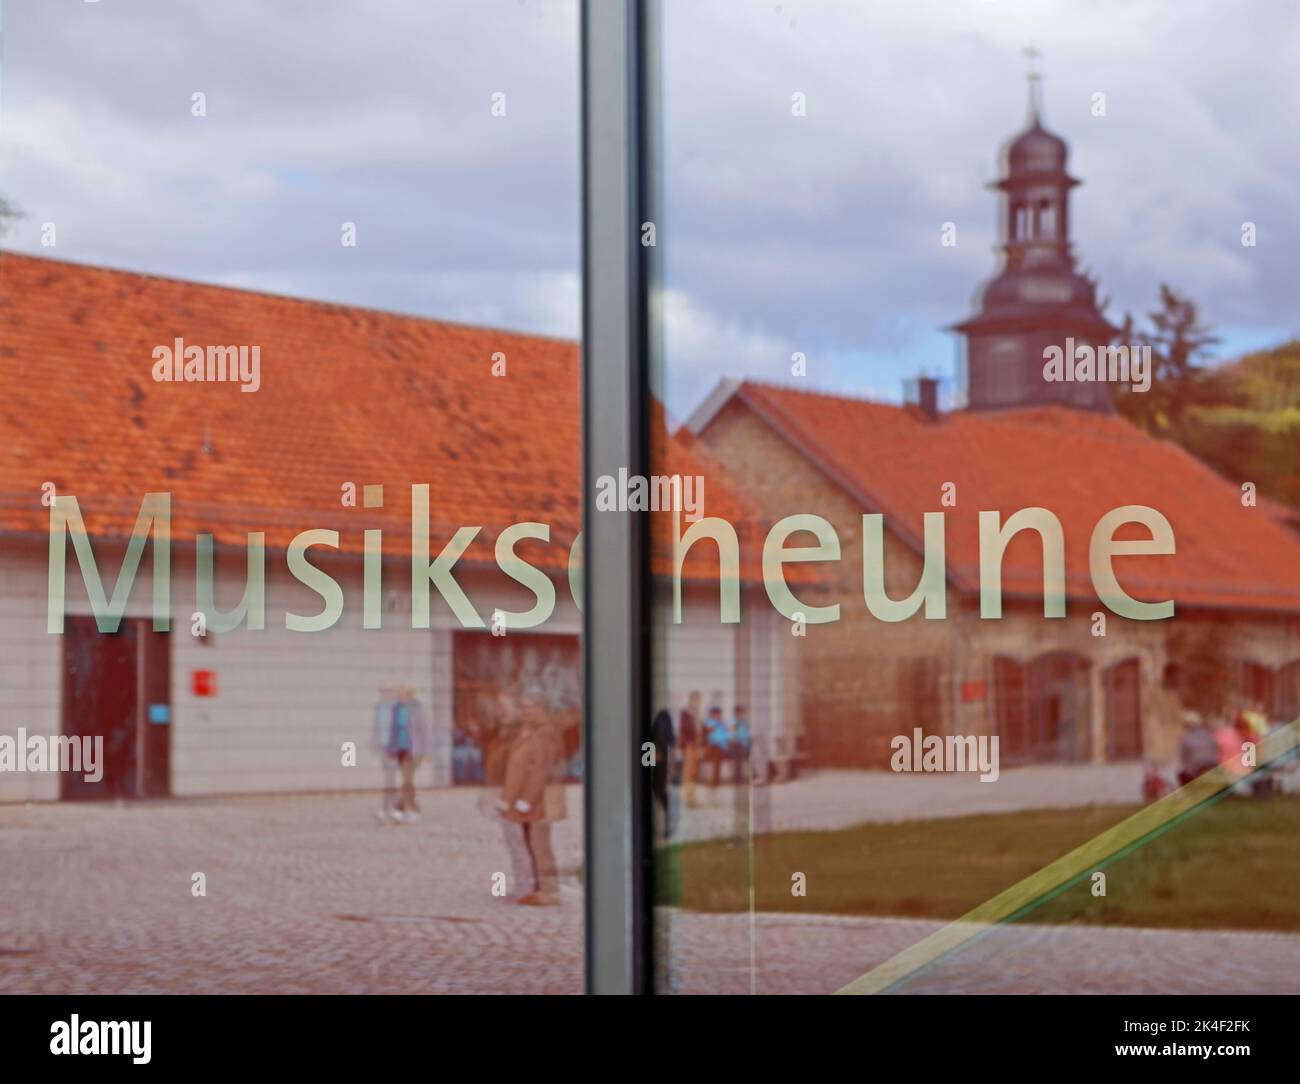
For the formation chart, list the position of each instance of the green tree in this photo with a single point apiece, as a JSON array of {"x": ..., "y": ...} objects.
[
  {"x": 1242, "y": 418},
  {"x": 1249, "y": 430},
  {"x": 1179, "y": 342}
]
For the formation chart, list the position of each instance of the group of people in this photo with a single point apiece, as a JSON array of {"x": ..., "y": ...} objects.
[
  {"x": 1204, "y": 747},
  {"x": 525, "y": 774},
  {"x": 690, "y": 741}
]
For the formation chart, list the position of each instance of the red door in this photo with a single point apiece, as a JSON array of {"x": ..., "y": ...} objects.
[{"x": 116, "y": 687}]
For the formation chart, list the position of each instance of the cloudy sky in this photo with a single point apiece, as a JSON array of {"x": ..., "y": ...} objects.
[{"x": 818, "y": 234}]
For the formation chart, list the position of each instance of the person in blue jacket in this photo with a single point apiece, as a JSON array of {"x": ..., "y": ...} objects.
[
  {"x": 741, "y": 739},
  {"x": 401, "y": 735},
  {"x": 717, "y": 743}
]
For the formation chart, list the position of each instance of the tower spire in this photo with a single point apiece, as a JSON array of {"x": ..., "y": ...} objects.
[
  {"x": 1035, "y": 78},
  {"x": 1037, "y": 299}
]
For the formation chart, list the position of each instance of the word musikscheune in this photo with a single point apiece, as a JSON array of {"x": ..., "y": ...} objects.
[
  {"x": 240, "y": 365},
  {"x": 1082, "y": 363},
  {"x": 930, "y": 595}
]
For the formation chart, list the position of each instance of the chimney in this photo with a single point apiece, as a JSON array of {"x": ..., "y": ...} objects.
[{"x": 927, "y": 397}]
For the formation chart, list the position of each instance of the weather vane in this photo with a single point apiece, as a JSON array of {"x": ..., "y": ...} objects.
[
  {"x": 1031, "y": 55},
  {"x": 1035, "y": 77}
]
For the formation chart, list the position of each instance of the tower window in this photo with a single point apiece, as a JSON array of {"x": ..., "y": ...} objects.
[{"x": 1047, "y": 221}]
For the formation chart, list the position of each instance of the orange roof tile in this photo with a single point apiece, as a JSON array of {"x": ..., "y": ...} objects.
[
  {"x": 347, "y": 395},
  {"x": 1078, "y": 465}
]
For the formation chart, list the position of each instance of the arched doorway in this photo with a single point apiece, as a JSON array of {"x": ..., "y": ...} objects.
[
  {"x": 1286, "y": 692},
  {"x": 1123, "y": 685},
  {"x": 1011, "y": 705},
  {"x": 1060, "y": 707},
  {"x": 1043, "y": 708},
  {"x": 1257, "y": 683}
]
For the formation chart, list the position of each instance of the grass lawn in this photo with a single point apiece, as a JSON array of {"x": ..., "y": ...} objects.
[{"x": 1233, "y": 865}]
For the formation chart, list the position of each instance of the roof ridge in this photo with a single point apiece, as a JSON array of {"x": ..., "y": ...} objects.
[
  {"x": 311, "y": 302},
  {"x": 824, "y": 393}
]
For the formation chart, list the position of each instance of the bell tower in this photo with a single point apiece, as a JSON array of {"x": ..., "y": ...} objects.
[{"x": 1038, "y": 298}]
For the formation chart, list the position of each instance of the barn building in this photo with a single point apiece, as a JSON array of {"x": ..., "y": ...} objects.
[
  {"x": 1089, "y": 685},
  {"x": 355, "y": 410}
]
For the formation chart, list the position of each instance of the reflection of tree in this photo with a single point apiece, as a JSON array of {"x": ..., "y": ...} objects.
[
  {"x": 529, "y": 681},
  {"x": 563, "y": 690},
  {"x": 505, "y": 664},
  {"x": 1242, "y": 418},
  {"x": 491, "y": 674},
  {"x": 1250, "y": 430},
  {"x": 1178, "y": 342}
]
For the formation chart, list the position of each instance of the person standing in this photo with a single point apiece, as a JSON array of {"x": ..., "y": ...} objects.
[
  {"x": 505, "y": 735},
  {"x": 1198, "y": 752},
  {"x": 690, "y": 736},
  {"x": 717, "y": 744},
  {"x": 738, "y": 751},
  {"x": 421, "y": 740},
  {"x": 740, "y": 744},
  {"x": 405, "y": 744},
  {"x": 662, "y": 737},
  {"x": 531, "y": 800},
  {"x": 1230, "y": 736},
  {"x": 381, "y": 725}
]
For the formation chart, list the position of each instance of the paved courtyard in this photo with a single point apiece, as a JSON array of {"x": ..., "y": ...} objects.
[{"x": 310, "y": 894}]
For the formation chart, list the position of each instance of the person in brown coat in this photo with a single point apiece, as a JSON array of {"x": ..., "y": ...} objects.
[{"x": 532, "y": 800}]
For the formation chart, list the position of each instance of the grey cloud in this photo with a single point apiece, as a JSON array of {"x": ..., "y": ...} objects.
[{"x": 819, "y": 233}]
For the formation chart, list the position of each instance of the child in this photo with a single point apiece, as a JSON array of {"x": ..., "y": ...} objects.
[{"x": 717, "y": 743}]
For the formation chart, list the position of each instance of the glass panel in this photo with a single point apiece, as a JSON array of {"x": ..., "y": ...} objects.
[
  {"x": 1009, "y": 544},
  {"x": 294, "y": 301}
]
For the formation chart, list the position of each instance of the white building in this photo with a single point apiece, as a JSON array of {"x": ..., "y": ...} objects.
[{"x": 347, "y": 399}]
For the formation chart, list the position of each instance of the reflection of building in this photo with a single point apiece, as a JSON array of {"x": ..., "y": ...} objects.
[
  {"x": 1051, "y": 688},
  {"x": 348, "y": 398},
  {"x": 1037, "y": 299}
]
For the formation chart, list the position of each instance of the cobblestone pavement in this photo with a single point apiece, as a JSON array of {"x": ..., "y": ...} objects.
[
  {"x": 819, "y": 954},
  {"x": 311, "y": 894}
]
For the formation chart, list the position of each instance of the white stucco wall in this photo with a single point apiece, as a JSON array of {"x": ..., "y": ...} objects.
[
  {"x": 31, "y": 666},
  {"x": 288, "y": 701}
]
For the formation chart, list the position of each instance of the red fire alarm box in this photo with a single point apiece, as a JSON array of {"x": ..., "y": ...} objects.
[
  {"x": 974, "y": 691},
  {"x": 203, "y": 682}
]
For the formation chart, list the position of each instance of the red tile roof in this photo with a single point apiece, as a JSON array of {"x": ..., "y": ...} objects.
[
  {"x": 347, "y": 395},
  {"x": 1079, "y": 465}
]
